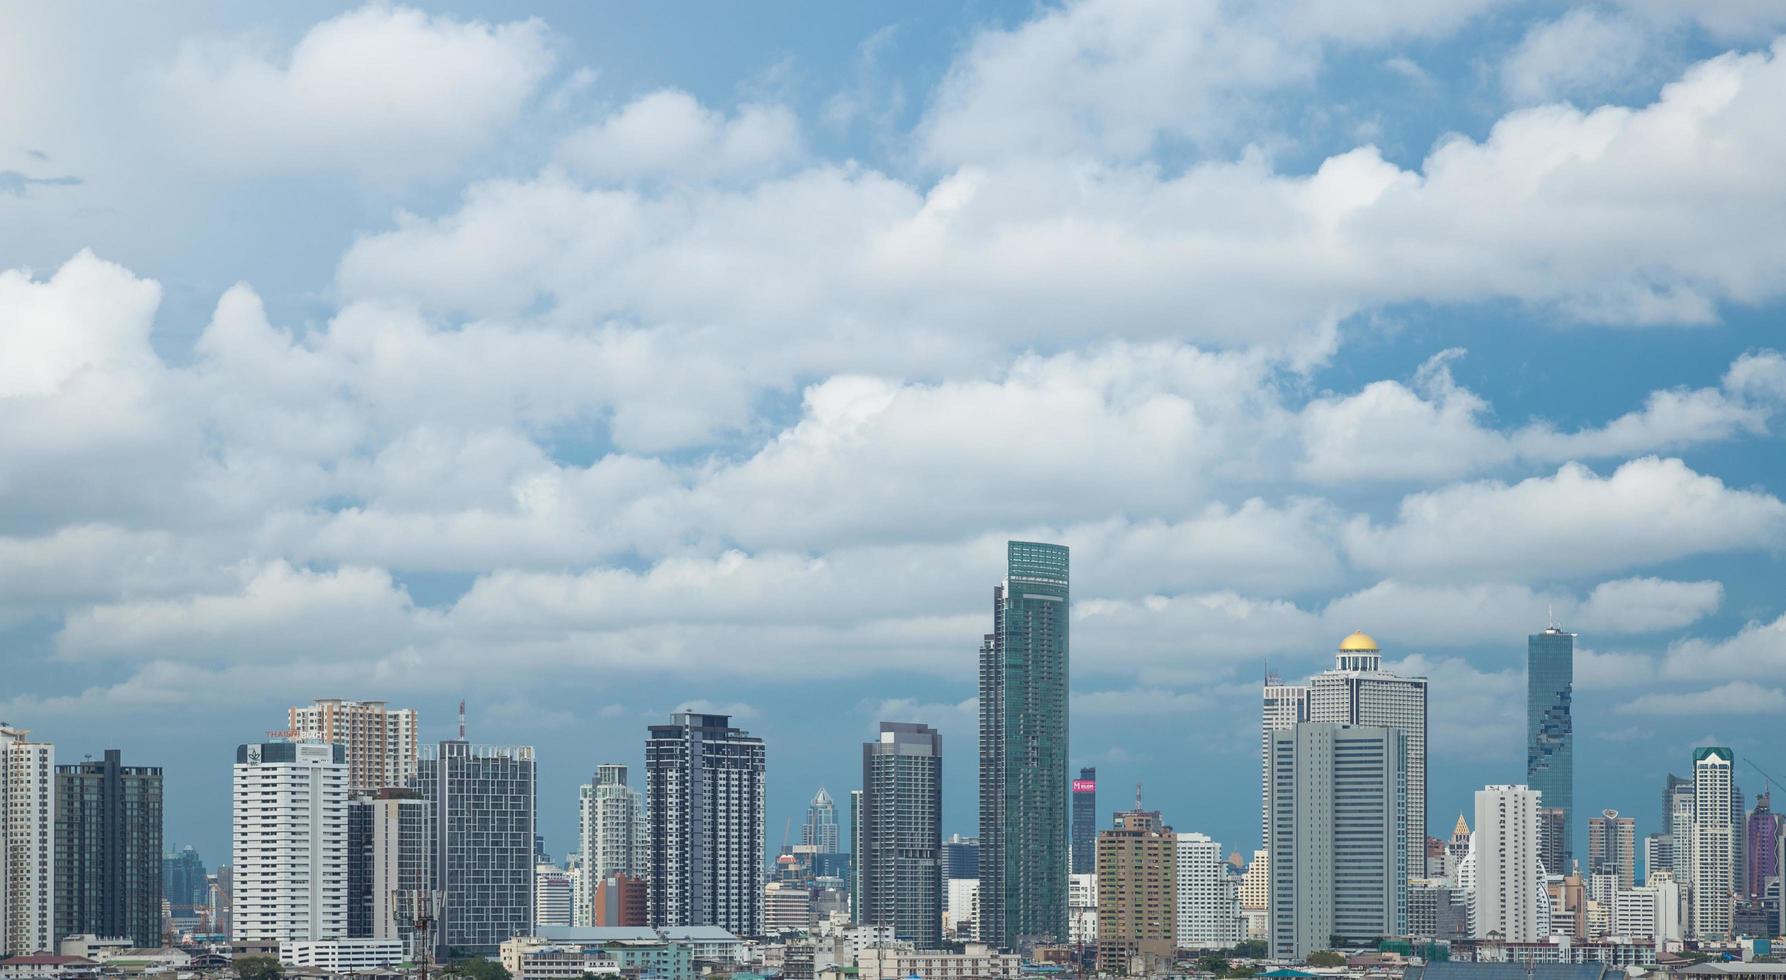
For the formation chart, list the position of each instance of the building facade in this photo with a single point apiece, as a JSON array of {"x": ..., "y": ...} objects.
[
  {"x": 399, "y": 855},
  {"x": 1713, "y": 844},
  {"x": 611, "y": 816},
  {"x": 1137, "y": 892},
  {"x": 1761, "y": 856},
  {"x": 902, "y": 833},
  {"x": 484, "y": 799},
  {"x": 27, "y": 843},
  {"x": 381, "y": 742},
  {"x": 108, "y": 850},
  {"x": 1208, "y": 899},
  {"x": 1504, "y": 873},
  {"x": 1284, "y": 707},
  {"x": 1359, "y": 692},
  {"x": 821, "y": 831},
  {"x": 1612, "y": 847},
  {"x": 1085, "y": 822},
  {"x": 1023, "y": 750},
  {"x": 704, "y": 789},
  {"x": 1339, "y": 860},
  {"x": 551, "y": 896},
  {"x": 288, "y": 839},
  {"x": 1550, "y": 730}
]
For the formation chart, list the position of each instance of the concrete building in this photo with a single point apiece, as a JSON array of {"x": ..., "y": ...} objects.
[
  {"x": 551, "y": 896},
  {"x": 1713, "y": 842},
  {"x": 622, "y": 901},
  {"x": 1208, "y": 900},
  {"x": 961, "y": 911},
  {"x": 1612, "y": 847},
  {"x": 1339, "y": 812},
  {"x": 704, "y": 784},
  {"x": 1085, "y": 822},
  {"x": 787, "y": 908},
  {"x": 977, "y": 962},
  {"x": 341, "y": 955},
  {"x": 821, "y": 831},
  {"x": 485, "y": 818},
  {"x": 381, "y": 742},
  {"x": 1651, "y": 911},
  {"x": 288, "y": 838},
  {"x": 1082, "y": 909},
  {"x": 1550, "y": 737},
  {"x": 1761, "y": 856},
  {"x": 1255, "y": 896},
  {"x": 1357, "y": 691},
  {"x": 1553, "y": 840},
  {"x": 1503, "y": 875},
  {"x": 28, "y": 833},
  {"x": 108, "y": 850},
  {"x": 611, "y": 818},
  {"x": 400, "y": 856},
  {"x": 1137, "y": 893},
  {"x": 1284, "y": 707},
  {"x": 902, "y": 833},
  {"x": 1023, "y": 750}
]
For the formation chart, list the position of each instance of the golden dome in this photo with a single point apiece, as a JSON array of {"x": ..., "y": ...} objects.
[{"x": 1358, "y": 642}]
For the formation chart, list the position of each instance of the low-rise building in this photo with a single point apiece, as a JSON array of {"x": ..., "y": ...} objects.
[
  {"x": 977, "y": 962},
  {"x": 45, "y": 966},
  {"x": 341, "y": 955}
]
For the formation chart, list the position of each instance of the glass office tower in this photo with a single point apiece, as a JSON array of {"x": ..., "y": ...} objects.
[{"x": 1550, "y": 730}]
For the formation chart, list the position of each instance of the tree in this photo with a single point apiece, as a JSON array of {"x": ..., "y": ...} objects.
[
  {"x": 476, "y": 968},
  {"x": 1212, "y": 963},
  {"x": 1242, "y": 971},
  {"x": 1326, "y": 957},
  {"x": 1250, "y": 949},
  {"x": 259, "y": 968}
]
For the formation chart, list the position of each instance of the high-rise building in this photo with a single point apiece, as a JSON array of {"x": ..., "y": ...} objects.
[
  {"x": 27, "y": 843},
  {"x": 1082, "y": 908},
  {"x": 359, "y": 867},
  {"x": 1339, "y": 829},
  {"x": 289, "y": 842},
  {"x": 1137, "y": 892},
  {"x": 551, "y": 896},
  {"x": 380, "y": 742},
  {"x": 1550, "y": 730},
  {"x": 621, "y": 900},
  {"x": 704, "y": 790},
  {"x": 1023, "y": 750},
  {"x": 1208, "y": 899},
  {"x": 485, "y": 817},
  {"x": 400, "y": 855},
  {"x": 820, "y": 831},
  {"x": 1612, "y": 847},
  {"x": 1085, "y": 822},
  {"x": 1762, "y": 856},
  {"x": 1284, "y": 707},
  {"x": 108, "y": 850},
  {"x": 1712, "y": 841},
  {"x": 902, "y": 833},
  {"x": 612, "y": 820},
  {"x": 184, "y": 880},
  {"x": 1553, "y": 839},
  {"x": 1503, "y": 875},
  {"x": 1658, "y": 854},
  {"x": 961, "y": 858},
  {"x": 1358, "y": 691},
  {"x": 855, "y": 882}
]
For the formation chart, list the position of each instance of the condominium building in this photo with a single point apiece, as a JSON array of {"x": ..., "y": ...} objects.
[
  {"x": 485, "y": 799},
  {"x": 289, "y": 842},
  {"x": 1137, "y": 892},
  {"x": 1339, "y": 811},
  {"x": 612, "y": 819},
  {"x": 1504, "y": 873},
  {"x": 902, "y": 833},
  {"x": 621, "y": 900},
  {"x": 1358, "y": 691},
  {"x": 1612, "y": 847},
  {"x": 704, "y": 789},
  {"x": 1208, "y": 903},
  {"x": 1651, "y": 911},
  {"x": 381, "y": 742},
  {"x": 27, "y": 833},
  {"x": 1082, "y": 907},
  {"x": 400, "y": 857},
  {"x": 977, "y": 961},
  {"x": 551, "y": 896},
  {"x": 1284, "y": 707},
  {"x": 787, "y": 908},
  {"x": 1713, "y": 842},
  {"x": 108, "y": 849}
]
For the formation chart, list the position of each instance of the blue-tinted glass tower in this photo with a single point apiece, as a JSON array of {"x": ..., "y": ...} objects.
[{"x": 1550, "y": 731}]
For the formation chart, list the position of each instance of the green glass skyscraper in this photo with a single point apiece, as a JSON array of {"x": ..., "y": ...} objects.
[
  {"x": 1550, "y": 732},
  {"x": 1023, "y": 751}
]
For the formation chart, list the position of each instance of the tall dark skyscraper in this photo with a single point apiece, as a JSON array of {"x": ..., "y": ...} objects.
[
  {"x": 704, "y": 805},
  {"x": 183, "y": 877},
  {"x": 1023, "y": 751},
  {"x": 1550, "y": 729},
  {"x": 1085, "y": 822},
  {"x": 108, "y": 850},
  {"x": 902, "y": 833}
]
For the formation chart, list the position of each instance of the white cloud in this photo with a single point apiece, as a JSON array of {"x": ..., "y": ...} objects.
[
  {"x": 1734, "y": 698},
  {"x": 1472, "y": 714},
  {"x": 1645, "y": 605},
  {"x": 669, "y": 134},
  {"x": 1757, "y": 650},
  {"x": 383, "y": 91},
  {"x": 1583, "y": 52}
]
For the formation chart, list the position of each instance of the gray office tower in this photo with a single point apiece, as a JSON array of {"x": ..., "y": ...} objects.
[
  {"x": 902, "y": 833},
  {"x": 1550, "y": 734},
  {"x": 359, "y": 867},
  {"x": 183, "y": 877},
  {"x": 485, "y": 804},
  {"x": 1085, "y": 822},
  {"x": 108, "y": 850},
  {"x": 704, "y": 806},
  {"x": 1023, "y": 751},
  {"x": 1338, "y": 799}
]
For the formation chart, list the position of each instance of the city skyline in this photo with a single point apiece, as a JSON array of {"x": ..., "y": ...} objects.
[{"x": 711, "y": 369}]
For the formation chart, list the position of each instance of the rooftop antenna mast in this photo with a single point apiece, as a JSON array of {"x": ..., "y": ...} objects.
[
  {"x": 461, "y": 719},
  {"x": 1137, "y": 796}
]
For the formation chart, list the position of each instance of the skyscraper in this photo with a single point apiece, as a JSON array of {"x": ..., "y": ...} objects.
[
  {"x": 1553, "y": 837},
  {"x": 1550, "y": 729},
  {"x": 1085, "y": 822},
  {"x": 1612, "y": 847},
  {"x": 1503, "y": 875},
  {"x": 902, "y": 833},
  {"x": 704, "y": 790},
  {"x": 1023, "y": 750},
  {"x": 1713, "y": 844},
  {"x": 288, "y": 840},
  {"x": 183, "y": 877},
  {"x": 1284, "y": 706},
  {"x": 1137, "y": 888},
  {"x": 401, "y": 854},
  {"x": 820, "y": 830},
  {"x": 1762, "y": 856},
  {"x": 1339, "y": 826},
  {"x": 1358, "y": 691},
  {"x": 108, "y": 850},
  {"x": 381, "y": 742},
  {"x": 485, "y": 817},
  {"x": 1208, "y": 895},
  {"x": 27, "y": 843},
  {"x": 855, "y": 882},
  {"x": 612, "y": 818},
  {"x": 551, "y": 896}
]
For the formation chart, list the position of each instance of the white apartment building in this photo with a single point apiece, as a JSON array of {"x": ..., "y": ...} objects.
[
  {"x": 1713, "y": 842},
  {"x": 786, "y": 908},
  {"x": 1082, "y": 909},
  {"x": 1283, "y": 707},
  {"x": 27, "y": 843},
  {"x": 551, "y": 896},
  {"x": 1208, "y": 903},
  {"x": 1652, "y": 911},
  {"x": 381, "y": 742},
  {"x": 1504, "y": 872},
  {"x": 341, "y": 955},
  {"x": 977, "y": 962},
  {"x": 289, "y": 842}
]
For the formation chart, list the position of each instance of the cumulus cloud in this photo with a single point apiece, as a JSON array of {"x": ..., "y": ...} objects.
[
  {"x": 1758, "y": 649},
  {"x": 669, "y": 134},
  {"x": 1734, "y": 698},
  {"x": 382, "y": 91},
  {"x": 1583, "y": 52}
]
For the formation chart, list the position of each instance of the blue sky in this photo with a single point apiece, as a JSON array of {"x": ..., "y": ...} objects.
[{"x": 601, "y": 360}]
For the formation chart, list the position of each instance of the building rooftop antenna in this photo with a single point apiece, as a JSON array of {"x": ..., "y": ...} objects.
[{"x": 461, "y": 719}]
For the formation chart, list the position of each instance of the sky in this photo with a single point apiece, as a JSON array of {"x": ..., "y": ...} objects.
[{"x": 596, "y": 361}]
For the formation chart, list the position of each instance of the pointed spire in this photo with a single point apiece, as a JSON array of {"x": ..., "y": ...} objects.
[{"x": 1463, "y": 826}]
